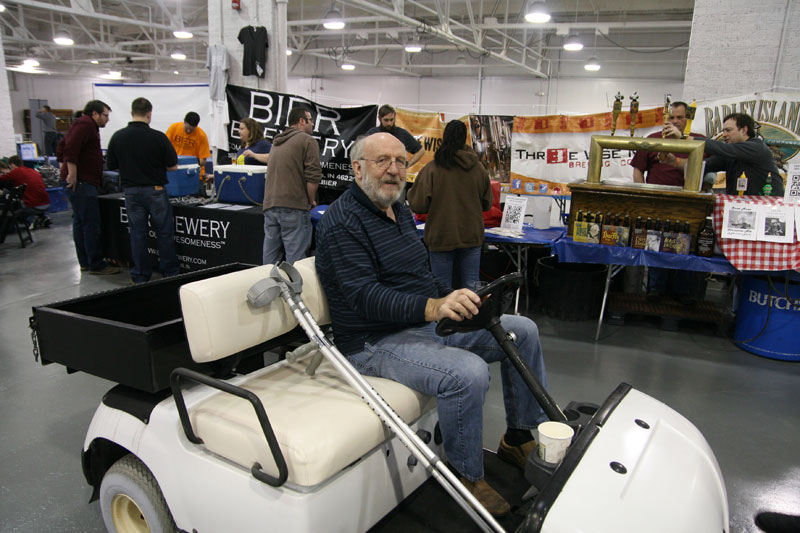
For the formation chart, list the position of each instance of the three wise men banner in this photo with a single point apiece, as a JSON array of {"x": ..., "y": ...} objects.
[
  {"x": 427, "y": 128},
  {"x": 549, "y": 152},
  {"x": 335, "y": 128},
  {"x": 777, "y": 114}
]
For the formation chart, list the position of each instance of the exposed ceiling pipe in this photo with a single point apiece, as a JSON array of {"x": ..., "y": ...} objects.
[
  {"x": 408, "y": 21},
  {"x": 80, "y": 13}
]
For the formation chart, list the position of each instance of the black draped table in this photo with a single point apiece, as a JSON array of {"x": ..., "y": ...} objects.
[{"x": 204, "y": 236}]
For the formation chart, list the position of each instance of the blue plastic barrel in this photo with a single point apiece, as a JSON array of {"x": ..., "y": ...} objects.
[{"x": 768, "y": 319}]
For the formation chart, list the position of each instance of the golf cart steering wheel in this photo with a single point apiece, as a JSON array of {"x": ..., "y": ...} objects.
[{"x": 498, "y": 294}]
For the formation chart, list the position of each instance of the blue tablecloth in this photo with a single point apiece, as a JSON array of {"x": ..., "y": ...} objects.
[
  {"x": 529, "y": 236},
  {"x": 570, "y": 251}
]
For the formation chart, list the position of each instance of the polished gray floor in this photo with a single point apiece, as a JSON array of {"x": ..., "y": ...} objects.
[{"x": 747, "y": 407}]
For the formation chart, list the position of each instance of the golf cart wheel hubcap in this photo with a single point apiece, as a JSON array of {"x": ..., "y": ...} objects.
[{"x": 127, "y": 516}]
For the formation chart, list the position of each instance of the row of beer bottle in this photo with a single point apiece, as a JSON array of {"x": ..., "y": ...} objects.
[{"x": 649, "y": 234}]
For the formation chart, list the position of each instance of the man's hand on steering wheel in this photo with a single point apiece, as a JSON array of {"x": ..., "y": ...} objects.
[{"x": 458, "y": 305}]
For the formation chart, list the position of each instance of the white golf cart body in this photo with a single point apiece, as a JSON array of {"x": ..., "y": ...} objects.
[{"x": 637, "y": 466}]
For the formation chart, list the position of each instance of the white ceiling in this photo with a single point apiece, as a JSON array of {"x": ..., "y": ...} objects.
[{"x": 631, "y": 39}]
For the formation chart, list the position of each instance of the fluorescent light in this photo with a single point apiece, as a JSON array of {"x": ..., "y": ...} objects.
[
  {"x": 288, "y": 52},
  {"x": 333, "y": 20},
  {"x": 537, "y": 13},
  {"x": 573, "y": 44},
  {"x": 115, "y": 73},
  {"x": 592, "y": 65},
  {"x": 63, "y": 38},
  {"x": 177, "y": 54},
  {"x": 182, "y": 34},
  {"x": 94, "y": 62},
  {"x": 31, "y": 62},
  {"x": 413, "y": 48}
]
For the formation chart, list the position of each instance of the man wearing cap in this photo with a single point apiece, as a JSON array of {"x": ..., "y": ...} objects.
[{"x": 188, "y": 139}]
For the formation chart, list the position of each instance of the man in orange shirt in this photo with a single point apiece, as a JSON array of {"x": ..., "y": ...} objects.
[{"x": 188, "y": 139}]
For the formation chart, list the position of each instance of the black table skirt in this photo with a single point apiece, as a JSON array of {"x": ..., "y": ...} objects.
[{"x": 204, "y": 237}]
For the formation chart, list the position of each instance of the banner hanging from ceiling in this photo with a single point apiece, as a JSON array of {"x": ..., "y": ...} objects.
[
  {"x": 549, "y": 152},
  {"x": 335, "y": 128},
  {"x": 491, "y": 140},
  {"x": 427, "y": 128},
  {"x": 777, "y": 114}
]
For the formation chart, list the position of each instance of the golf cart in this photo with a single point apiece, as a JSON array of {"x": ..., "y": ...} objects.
[{"x": 198, "y": 436}]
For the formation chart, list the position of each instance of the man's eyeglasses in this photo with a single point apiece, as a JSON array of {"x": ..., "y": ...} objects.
[{"x": 384, "y": 163}]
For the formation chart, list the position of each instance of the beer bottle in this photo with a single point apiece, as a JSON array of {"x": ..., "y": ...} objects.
[
  {"x": 706, "y": 238},
  {"x": 766, "y": 190}
]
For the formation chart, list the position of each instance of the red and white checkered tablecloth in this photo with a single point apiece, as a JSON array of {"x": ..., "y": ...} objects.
[{"x": 755, "y": 255}]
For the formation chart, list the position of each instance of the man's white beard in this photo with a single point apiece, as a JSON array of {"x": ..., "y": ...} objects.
[{"x": 371, "y": 187}]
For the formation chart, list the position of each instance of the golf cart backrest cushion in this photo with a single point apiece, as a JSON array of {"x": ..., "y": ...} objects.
[{"x": 220, "y": 322}]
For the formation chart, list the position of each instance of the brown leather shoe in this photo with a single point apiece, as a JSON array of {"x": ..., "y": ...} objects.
[
  {"x": 107, "y": 270},
  {"x": 515, "y": 455},
  {"x": 489, "y": 498}
]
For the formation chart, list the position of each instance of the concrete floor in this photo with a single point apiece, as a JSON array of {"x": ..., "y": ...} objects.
[{"x": 747, "y": 407}]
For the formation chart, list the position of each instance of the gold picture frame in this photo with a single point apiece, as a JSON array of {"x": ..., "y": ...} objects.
[{"x": 695, "y": 149}]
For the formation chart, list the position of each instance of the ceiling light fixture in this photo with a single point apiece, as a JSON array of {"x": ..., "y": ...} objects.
[
  {"x": 573, "y": 44},
  {"x": 347, "y": 65},
  {"x": 175, "y": 72},
  {"x": 115, "y": 74},
  {"x": 177, "y": 54},
  {"x": 461, "y": 60},
  {"x": 333, "y": 20},
  {"x": 413, "y": 48},
  {"x": 536, "y": 12},
  {"x": 31, "y": 62},
  {"x": 94, "y": 62},
  {"x": 182, "y": 34},
  {"x": 63, "y": 38},
  {"x": 592, "y": 65},
  {"x": 2, "y": 8},
  {"x": 288, "y": 51}
]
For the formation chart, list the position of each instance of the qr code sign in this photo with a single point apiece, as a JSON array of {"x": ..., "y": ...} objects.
[
  {"x": 514, "y": 214},
  {"x": 794, "y": 185}
]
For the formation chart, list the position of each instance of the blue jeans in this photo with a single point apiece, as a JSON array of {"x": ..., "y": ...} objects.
[
  {"x": 455, "y": 369},
  {"x": 466, "y": 260},
  {"x": 86, "y": 225},
  {"x": 139, "y": 203},
  {"x": 287, "y": 233}
]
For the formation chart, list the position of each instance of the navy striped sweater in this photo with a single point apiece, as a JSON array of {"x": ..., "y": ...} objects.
[{"x": 375, "y": 272}]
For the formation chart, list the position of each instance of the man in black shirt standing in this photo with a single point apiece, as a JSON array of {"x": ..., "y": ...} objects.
[
  {"x": 387, "y": 115},
  {"x": 143, "y": 156}
]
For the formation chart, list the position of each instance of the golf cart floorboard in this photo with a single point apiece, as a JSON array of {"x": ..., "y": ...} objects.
[{"x": 430, "y": 509}]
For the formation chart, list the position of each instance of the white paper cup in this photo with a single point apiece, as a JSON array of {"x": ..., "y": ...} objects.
[{"x": 554, "y": 439}]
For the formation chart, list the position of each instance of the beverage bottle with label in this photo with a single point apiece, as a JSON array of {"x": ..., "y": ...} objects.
[
  {"x": 706, "y": 238},
  {"x": 766, "y": 190}
]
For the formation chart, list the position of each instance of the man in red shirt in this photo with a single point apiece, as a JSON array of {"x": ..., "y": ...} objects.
[
  {"x": 35, "y": 197},
  {"x": 83, "y": 160}
]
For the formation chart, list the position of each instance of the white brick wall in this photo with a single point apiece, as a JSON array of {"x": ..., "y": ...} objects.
[
  {"x": 735, "y": 45},
  {"x": 7, "y": 144}
]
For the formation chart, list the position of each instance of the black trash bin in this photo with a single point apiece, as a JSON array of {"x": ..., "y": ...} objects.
[{"x": 569, "y": 291}]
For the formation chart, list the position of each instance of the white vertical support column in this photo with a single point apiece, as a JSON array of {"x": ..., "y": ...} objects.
[
  {"x": 7, "y": 143},
  {"x": 224, "y": 25},
  {"x": 279, "y": 44}
]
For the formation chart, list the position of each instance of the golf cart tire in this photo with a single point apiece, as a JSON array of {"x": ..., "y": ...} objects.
[{"x": 133, "y": 486}]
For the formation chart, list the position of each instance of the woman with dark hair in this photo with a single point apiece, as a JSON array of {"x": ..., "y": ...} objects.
[
  {"x": 255, "y": 149},
  {"x": 453, "y": 190}
]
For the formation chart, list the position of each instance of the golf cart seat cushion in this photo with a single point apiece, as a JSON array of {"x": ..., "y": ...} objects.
[
  {"x": 322, "y": 425},
  {"x": 220, "y": 322}
]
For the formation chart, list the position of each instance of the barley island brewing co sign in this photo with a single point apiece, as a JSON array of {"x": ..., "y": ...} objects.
[{"x": 336, "y": 129}]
